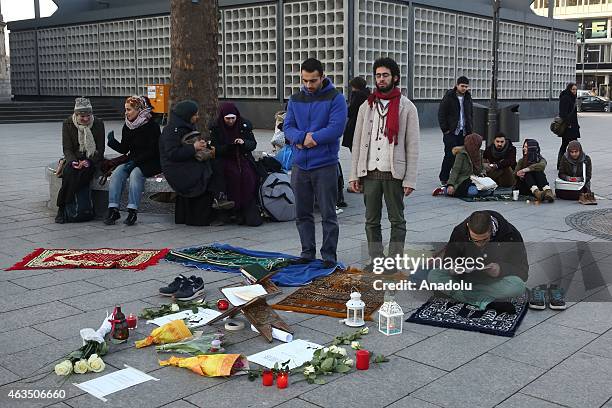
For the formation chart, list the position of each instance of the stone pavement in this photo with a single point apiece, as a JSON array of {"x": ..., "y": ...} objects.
[{"x": 557, "y": 359}]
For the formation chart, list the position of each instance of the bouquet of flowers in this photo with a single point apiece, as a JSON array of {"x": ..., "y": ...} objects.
[{"x": 204, "y": 344}]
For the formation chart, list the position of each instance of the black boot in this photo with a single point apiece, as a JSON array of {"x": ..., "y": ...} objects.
[
  {"x": 59, "y": 218},
  {"x": 113, "y": 215},
  {"x": 131, "y": 218}
]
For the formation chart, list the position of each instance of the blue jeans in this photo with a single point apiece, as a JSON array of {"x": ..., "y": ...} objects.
[{"x": 135, "y": 185}]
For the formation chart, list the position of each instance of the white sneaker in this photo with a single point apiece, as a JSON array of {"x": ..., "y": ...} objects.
[{"x": 339, "y": 210}]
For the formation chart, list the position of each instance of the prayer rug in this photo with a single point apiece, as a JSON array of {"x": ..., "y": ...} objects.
[
  {"x": 328, "y": 295},
  {"x": 445, "y": 312},
  {"x": 292, "y": 271},
  {"x": 497, "y": 197},
  {"x": 102, "y": 258}
]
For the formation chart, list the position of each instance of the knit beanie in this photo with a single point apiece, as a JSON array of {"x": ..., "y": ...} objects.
[
  {"x": 186, "y": 109},
  {"x": 82, "y": 105}
]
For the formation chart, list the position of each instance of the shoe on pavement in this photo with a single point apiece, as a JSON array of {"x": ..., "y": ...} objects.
[
  {"x": 173, "y": 286},
  {"x": 539, "y": 195},
  {"x": 190, "y": 289},
  {"x": 131, "y": 218},
  {"x": 438, "y": 191},
  {"x": 537, "y": 297},
  {"x": 556, "y": 298},
  {"x": 112, "y": 216},
  {"x": 549, "y": 196}
]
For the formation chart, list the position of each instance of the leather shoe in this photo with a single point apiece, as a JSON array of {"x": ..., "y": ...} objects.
[
  {"x": 131, "y": 218},
  {"x": 112, "y": 216}
]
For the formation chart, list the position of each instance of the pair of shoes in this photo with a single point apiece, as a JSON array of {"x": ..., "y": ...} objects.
[
  {"x": 222, "y": 203},
  {"x": 183, "y": 288},
  {"x": 132, "y": 217},
  {"x": 438, "y": 191},
  {"x": 60, "y": 217},
  {"x": 342, "y": 204},
  {"x": 549, "y": 197},
  {"x": 541, "y": 293},
  {"x": 339, "y": 210},
  {"x": 112, "y": 216}
]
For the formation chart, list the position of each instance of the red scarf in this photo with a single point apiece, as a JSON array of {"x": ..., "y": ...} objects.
[{"x": 392, "y": 126}]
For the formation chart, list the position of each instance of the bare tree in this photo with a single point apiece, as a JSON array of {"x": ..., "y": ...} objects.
[{"x": 194, "y": 44}]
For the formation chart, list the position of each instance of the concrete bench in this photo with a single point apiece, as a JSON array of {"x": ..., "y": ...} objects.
[{"x": 156, "y": 193}]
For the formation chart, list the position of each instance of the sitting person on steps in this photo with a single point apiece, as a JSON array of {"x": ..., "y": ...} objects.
[
  {"x": 530, "y": 177},
  {"x": 571, "y": 169},
  {"x": 500, "y": 160},
  {"x": 140, "y": 142},
  {"x": 468, "y": 162},
  {"x": 488, "y": 236}
]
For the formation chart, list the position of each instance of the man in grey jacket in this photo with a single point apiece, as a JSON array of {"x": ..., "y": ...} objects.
[{"x": 384, "y": 157}]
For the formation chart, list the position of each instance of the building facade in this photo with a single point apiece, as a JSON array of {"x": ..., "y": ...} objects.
[
  {"x": 118, "y": 50},
  {"x": 593, "y": 37}
]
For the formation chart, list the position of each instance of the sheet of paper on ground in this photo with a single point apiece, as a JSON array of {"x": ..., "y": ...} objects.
[
  {"x": 113, "y": 382},
  {"x": 296, "y": 352},
  {"x": 195, "y": 319},
  {"x": 240, "y": 295}
]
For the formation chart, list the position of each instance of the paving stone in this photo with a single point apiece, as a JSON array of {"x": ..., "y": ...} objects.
[
  {"x": 451, "y": 349},
  {"x": 588, "y": 316},
  {"x": 22, "y": 339},
  {"x": 39, "y": 359},
  {"x": 56, "y": 277},
  {"x": 602, "y": 346},
  {"x": 411, "y": 402},
  {"x": 519, "y": 400},
  {"x": 297, "y": 403},
  {"x": 373, "y": 388},
  {"x": 582, "y": 380},
  {"x": 545, "y": 345},
  {"x": 49, "y": 294},
  {"x": 111, "y": 297},
  {"x": 7, "y": 376},
  {"x": 32, "y": 315},
  {"x": 534, "y": 317},
  {"x": 10, "y": 288},
  {"x": 464, "y": 386},
  {"x": 179, "y": 404}
]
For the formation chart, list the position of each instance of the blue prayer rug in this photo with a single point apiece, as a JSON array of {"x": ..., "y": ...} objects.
[{"x": 445, "y": 312}]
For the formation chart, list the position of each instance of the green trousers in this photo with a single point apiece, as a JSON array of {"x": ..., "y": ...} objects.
[
  {"x": 393, "y": 193},
  {"x": 484, "y": 289}
]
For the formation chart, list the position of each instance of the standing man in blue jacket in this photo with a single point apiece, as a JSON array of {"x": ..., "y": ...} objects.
[{"x": 314, "y": 124}]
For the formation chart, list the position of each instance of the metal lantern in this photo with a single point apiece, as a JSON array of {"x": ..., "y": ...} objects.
[
  {"x": 355, "y": 309},
  {"x": 390, "y": 318}
]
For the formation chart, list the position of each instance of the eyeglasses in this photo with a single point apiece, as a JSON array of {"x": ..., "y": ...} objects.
[{"x": 384, "y": 75}]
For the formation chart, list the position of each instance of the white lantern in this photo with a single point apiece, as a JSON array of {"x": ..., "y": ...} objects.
[
  {"x": 355, "y": 309},
  {"x": 390, "y": 318}
]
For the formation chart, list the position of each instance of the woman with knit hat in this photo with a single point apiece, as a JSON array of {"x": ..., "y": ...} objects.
[
  {"x": 140, "y": 142},
  {"x": 233, "y": 140},
  {"x": 576, "y": 167},
  {"x": 529, "y": 172},
  {"x": 83, "y": 146},
  {"x": 187, "y": 162}
]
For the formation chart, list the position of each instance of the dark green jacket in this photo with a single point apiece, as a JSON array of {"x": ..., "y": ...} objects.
[
  {"x": 539, "y": 166},
  {"x": 566, "y": 169},
  {"x": 463, "y": 169}
]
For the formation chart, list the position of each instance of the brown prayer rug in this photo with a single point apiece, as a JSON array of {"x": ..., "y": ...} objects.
[{"x": 328, "y": 295}]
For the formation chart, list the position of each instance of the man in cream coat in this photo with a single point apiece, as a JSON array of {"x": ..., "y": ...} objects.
[{"x": 384, "y": 158}]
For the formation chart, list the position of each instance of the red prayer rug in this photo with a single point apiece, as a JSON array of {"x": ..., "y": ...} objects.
[{"x": 102, "y": 258}]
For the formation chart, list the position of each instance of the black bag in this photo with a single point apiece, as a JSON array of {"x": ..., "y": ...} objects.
[
  {"x": 558, "y": 126},
  {"x": 81, "y": 208}
]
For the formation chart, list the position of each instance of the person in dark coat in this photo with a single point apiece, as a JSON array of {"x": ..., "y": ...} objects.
[
  {"x": 359, "y": 94},
  {"x": 503, "y": 271},
  {"x": 140, "y": 142},
  {"x": 83, "y": 146},
  {"x": 576, "y": 167},
  {"x": 233, "y": 140},
  {"x": 455, "y": 119},
  {"x": 500, "y": 158},
  {"x": 569, "y": 114},
  {"x": 187, "y": 171}
]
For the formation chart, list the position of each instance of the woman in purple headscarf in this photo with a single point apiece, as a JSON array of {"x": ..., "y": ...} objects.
[{"x": 233, "y": 139}]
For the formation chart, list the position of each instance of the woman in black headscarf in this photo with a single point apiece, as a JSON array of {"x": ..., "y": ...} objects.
[
  {"x": 530, "y": 177},
  {"x": 569, "y": 114},
  {"x": 233, "y": 140}
]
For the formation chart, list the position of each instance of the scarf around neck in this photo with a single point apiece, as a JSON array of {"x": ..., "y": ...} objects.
[
  {"x": 144, "y": 116},
  {"x": 573, "y": 145},
  {"x": 500, "y": 154},
  {"x": 392, "y": 125},
  {"x": 87, "y": 143},
  {"x": 230, "y": 133}
]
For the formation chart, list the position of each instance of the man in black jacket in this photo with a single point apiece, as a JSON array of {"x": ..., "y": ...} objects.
[
  {"x": 500, "y": 159},
  {"x": 455, "y": 119},
  {"x": 490, "y": 240}
]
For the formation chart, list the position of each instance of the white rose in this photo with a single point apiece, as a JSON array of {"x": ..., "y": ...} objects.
[
  {"x": 309, "y": 370},
  {"x": 95, "y": 363},
  {"x": 333, "y": 349},
  {"x": 175, "y": 307},
  {"x": 348, "y": 362},
  {"x": 63, "y": 368},
  {"x": 326, "y": 349},
  {"x": 342, "y": 351},
  {"x": 365, "y": 330},
  {"x": 355, "y": 345},
  {"x": 80, "y": 367}
]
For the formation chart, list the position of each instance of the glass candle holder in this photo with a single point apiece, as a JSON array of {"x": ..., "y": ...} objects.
[
  {"x": 282, "y": 380},
  {"x": 132, "y": 321},
  {"x": 267, "y": 378},
  {"x": 363, "y": 359}
]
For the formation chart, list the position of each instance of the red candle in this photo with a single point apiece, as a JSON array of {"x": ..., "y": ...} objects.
[
  {"x": 282, "y": 380},
  {"x": 222, "y": 304},
  {"x": 132, "y": 321},
  {"x": 363, "y": 359},
  {"x": 267, "y": 378}
]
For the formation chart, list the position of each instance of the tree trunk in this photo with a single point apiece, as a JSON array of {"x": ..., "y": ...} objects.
[{"x": 194, "y": 44}]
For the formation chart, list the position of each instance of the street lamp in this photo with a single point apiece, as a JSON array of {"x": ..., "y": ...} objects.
[{"x": 492, "y": 123}]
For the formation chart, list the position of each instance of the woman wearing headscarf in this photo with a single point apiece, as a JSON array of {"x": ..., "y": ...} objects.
[
  {"x": 83, "y": 146},
  {"x": 140, "y": 142},
  {"x": 569, "y": 113},
  {"x": 574, "y": 164},
  {"x": 233, "y": 140},
  {"x": 468, "y": 162},
  {"x": 529, "y": 172}
]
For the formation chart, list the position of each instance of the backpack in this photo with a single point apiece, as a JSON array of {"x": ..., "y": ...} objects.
[
  {"x": 277, "y": 198},
  {"x": 81, "y": 208}
]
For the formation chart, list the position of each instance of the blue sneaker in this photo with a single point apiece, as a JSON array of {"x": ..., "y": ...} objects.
[
  {"x": 557, "y": 298},
  {"x": 537, "y": 297}
]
